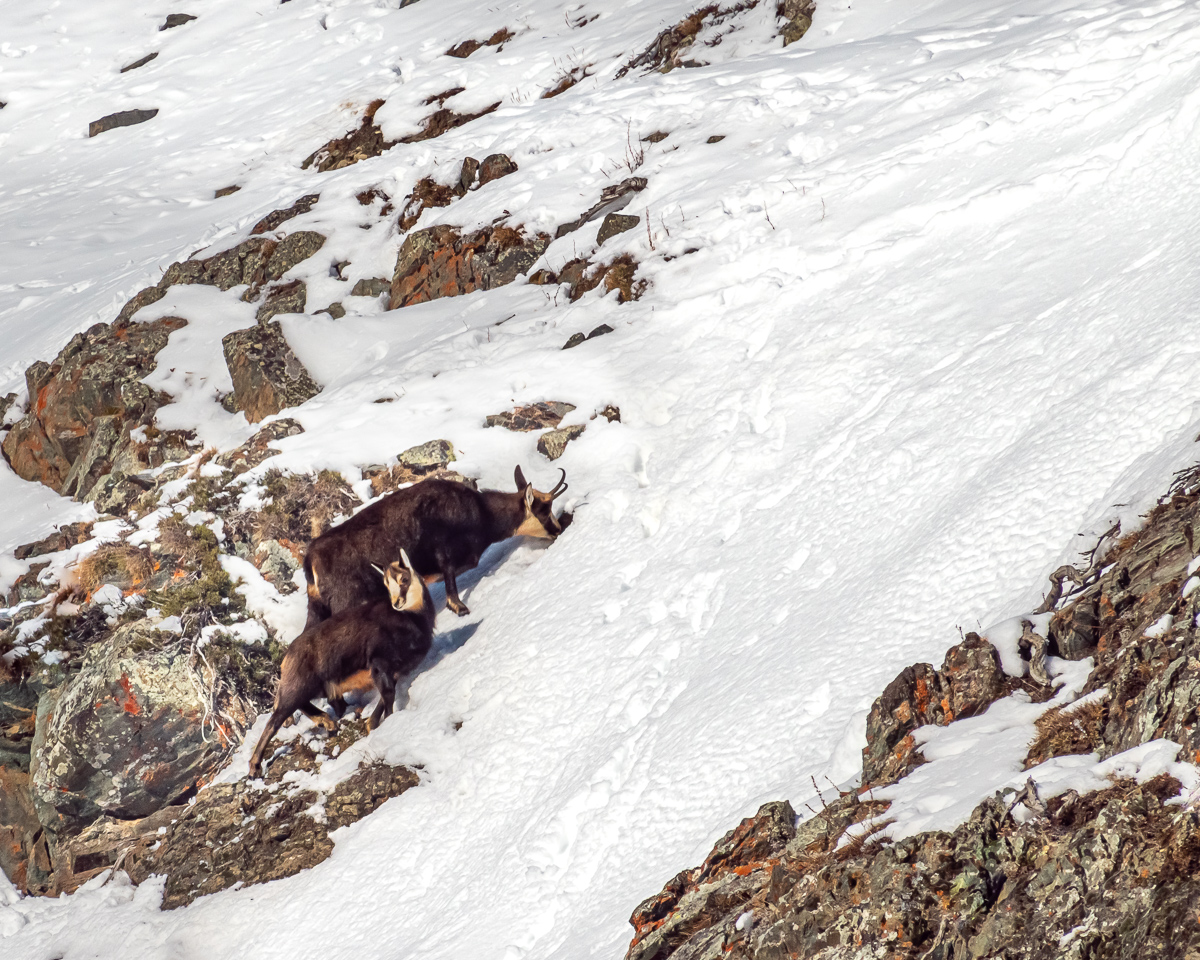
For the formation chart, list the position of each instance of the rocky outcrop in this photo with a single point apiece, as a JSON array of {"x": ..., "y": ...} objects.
[
  {"x": 290, "y": 297},
  {"x": 1103, "y": 874},
  {"x": 969, "y": 681},
  {"x": 246, "y": 833},
  {"x": 267, "y": 376},
  {"x": 429, "y": 193},
  {"x": 141, "y": 725},
  {"x": 258, "y": 448},
  {"x": 64, "y": 537},
  {"x": 175, "y": 20},
  {"x": 581, "y": 276},
  {"x": 615, "y": 197},
  {"x": 89, "y": 416},
  {"x": 468, "y": 47},
  {"x": 440, "y": 262}
]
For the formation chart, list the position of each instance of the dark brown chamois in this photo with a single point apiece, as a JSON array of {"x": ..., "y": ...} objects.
[
  {"x": 444, "y": 526},
  {"x": 371, "y": 644}
]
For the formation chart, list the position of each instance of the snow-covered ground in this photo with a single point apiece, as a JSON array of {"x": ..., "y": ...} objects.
[{"x": 940, "y": 320}]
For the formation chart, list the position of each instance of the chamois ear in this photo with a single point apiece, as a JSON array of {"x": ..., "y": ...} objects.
[
  {"x": 529, "y": 498},
  {"x": 405, "y": 560},
  {"x": 379, "y": 570},
  {"x": 522, "y": 483}
]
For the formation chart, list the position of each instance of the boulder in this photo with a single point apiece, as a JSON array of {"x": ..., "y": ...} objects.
[
  {"x": 258, "y": 448},
  {"x": 122, "y": 118},
  {"x": 531, "y": 416},
  {"x": 85, "y": 407},
  {"x": 370, "y": 287},
  {"x": 553, "y": 443},
  {"x": 494, "y": 167},
  {"x": 440, "y": 262},
  {"x": 267, "y": 376},
  {"x": 616, "y": 223},
  {"x": 612, "y": 198},
  {"x": 427, "y": 456},
  {"x": 145, "y": 720},
  {"x": 797, "y": 18},
  {"x": 577, "y": 338},
  {"x": 283, "y": 298}
]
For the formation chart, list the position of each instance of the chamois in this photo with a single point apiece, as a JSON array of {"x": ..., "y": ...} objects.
[
  {"x": 373, "y": 643},
  {"x": 445, "y": 527}
]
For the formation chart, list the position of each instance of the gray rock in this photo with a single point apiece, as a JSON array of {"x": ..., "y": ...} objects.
[
  {"x": 494, "y": 167},
  {"x": 428, "y": 456},
  {"x": 274, "y": 219},
  {"x": 267, "y": 376},
  {"x": 139, "y": 63},
  {"x": 335, "y": 310},
  {"x": 370, "y": 287},
  {"x": 553, "y": 444},
  {"x": 122, "y": 118},
  {"x": 616, "y": 223},
  {"x": 175, "y": 20},
  {"x": 283, "y": 298}
]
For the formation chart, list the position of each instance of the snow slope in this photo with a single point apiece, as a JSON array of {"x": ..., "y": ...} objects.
[{"x": 941, "y": 319}]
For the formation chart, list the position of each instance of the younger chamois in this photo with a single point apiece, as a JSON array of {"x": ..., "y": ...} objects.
[
  {"x": 445, "y": 527},
  {"x": 373, "y": 643}
]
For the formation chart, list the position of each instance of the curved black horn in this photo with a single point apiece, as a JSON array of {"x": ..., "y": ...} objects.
[{"x": 561, "y": 487}]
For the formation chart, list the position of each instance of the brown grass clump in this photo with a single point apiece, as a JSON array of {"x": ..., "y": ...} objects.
[
  {"x": 122, "y": 564},
  {"x": 302, "y": 507},
  {"x": 1064, "y": 732}
]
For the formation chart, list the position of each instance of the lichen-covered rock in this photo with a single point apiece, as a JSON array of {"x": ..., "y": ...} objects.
[
  {"x": 267, "y": 376},
  {"x": 531, "y": 416},
  {"x": 616, "y": 223},
  {"x": 553, "y": 443},
  {"x": 135, "y": 729},
  {"x": 256, "y": 262},
  {"x": 243, "y": 833},
  {"x": 289, "y": 297},
  {"x": 797, "y": 18},
  {"x": 85, "y": 406},
  {"x": 440, "y": 262},
  {"x": 427, "y": 456},
  {"x": 370, "y": 287},
  {"x": 970, "y": 680}
]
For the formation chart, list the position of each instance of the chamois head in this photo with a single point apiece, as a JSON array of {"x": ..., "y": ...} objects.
[
  {"x": 539, "y": 510},
  {"x": 403, "y": 584}
]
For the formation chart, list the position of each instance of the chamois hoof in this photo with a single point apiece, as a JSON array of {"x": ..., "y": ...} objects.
[
  {"x": 326, "y": 722},
  {"x": 460, "y": 608}
]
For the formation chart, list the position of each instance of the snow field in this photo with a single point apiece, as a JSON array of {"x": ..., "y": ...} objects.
[{"x": 940, "y": 319}]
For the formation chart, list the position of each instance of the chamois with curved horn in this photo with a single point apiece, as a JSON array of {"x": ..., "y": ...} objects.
[
  {"x": 445, "y": 527},
  {"x": 373, "y": 644}
]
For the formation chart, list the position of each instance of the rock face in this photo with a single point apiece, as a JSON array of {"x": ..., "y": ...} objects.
[
  {"x": 85, "y": 406},
  {"x": 440, "y": 262},
  {"x": 131, "y": 732},
  {"x": 1105, "y": 874},
  {"x": 267, "y": 376},
  {"x": 123, "y": 118}
]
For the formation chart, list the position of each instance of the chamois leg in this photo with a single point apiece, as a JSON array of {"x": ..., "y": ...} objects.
[
  {"x": 452, "y": 598},
  {"x": 385, "y": 683},
  {"x": 319, "y": 717},
  {"x": 277, "y": 717}
]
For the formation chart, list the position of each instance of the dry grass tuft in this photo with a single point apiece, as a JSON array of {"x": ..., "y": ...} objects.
[
  {"x": 1064, "y": 732},
  {"x": 122, "y": 564}
]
